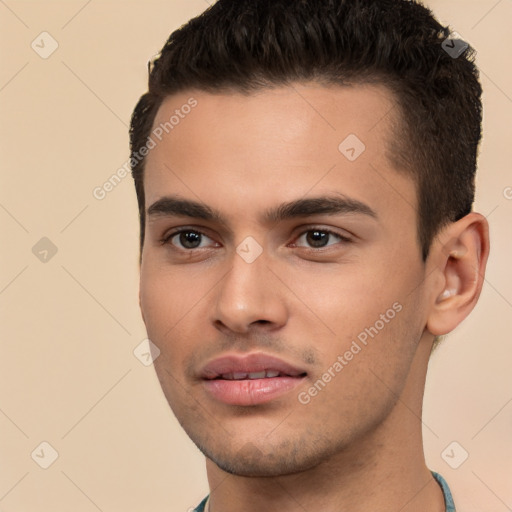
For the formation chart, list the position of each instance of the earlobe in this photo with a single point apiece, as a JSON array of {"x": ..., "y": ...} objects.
[{"x": 460, "y": 266}]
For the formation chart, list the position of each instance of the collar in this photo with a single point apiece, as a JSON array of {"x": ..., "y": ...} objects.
[{"x": 448, "y": 499}]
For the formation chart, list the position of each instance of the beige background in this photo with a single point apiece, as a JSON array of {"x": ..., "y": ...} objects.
[{"x": 69, "y": 325}]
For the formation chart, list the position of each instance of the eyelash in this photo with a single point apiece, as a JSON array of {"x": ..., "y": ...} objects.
[{"x": 166, "y": 240}]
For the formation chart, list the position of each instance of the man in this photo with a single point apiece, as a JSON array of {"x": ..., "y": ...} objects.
[{"x": 305, "y": 177}]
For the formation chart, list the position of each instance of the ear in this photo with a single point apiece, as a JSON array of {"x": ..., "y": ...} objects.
[{"x": 459, "y": 255}]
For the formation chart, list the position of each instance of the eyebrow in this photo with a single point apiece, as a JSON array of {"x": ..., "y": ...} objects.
[{"x": 175, "y": 206}]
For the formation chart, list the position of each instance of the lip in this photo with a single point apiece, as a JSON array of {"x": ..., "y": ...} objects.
[{"x": 249, "y": 391}]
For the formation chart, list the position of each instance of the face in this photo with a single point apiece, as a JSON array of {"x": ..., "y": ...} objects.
[{"x": 281, "y": 273}]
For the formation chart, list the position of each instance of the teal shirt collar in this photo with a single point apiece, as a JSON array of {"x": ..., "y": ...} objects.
[{"x": 448, "y": 500}]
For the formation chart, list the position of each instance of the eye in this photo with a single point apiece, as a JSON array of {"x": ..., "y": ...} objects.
[
  {"x": 319, "y": 238},
  {"x": 188, "y": 239}
]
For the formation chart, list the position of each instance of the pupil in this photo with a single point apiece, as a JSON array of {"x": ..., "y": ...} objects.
[
  {"x": 317, "y": 238},
  {"x": 190, "y": 239}
]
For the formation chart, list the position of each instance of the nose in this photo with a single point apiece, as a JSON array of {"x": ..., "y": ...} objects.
[{"x": 249, "y": 297}]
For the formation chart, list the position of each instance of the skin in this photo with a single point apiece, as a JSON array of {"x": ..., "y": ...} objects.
[{"x": 357, "y": 445}]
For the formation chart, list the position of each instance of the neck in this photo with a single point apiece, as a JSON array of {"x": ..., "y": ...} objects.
[{"x": 384, "y": 470}]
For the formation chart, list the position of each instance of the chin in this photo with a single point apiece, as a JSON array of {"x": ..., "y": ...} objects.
[
  {"x": 250, "y": 461},
  {"x": 247, "y": 467}
]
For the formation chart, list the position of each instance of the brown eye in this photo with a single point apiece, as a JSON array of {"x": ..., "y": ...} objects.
[
  {"x": 319, "y": 238},
  {"x": 188, "y": 239}
]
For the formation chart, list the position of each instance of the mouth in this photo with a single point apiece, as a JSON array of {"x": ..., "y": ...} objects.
[
  {"x": 250, "y": 380},
  {"x": 265, "y": 374}
]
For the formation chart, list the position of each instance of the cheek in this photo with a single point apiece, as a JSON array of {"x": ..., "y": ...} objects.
[
  {"x": 167, "y": 296},
  {"x": 164, "y": 307},
  {"x": 372, "y": 313},
  {"x": 347, "y": 299},
  {"x": 175, "y": 306},
  {"x": 156, "y": 303},
  {"x": 364, "y": 371}
]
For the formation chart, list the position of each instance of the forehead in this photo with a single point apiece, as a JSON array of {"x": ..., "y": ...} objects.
[{"x": 238, "y": 152}]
